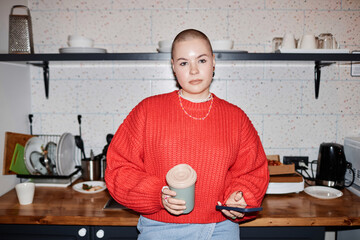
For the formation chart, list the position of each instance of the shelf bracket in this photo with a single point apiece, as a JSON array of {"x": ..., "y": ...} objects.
[
  {"x": 317, "y": 75},
  {"x": 45, "y": 67}
]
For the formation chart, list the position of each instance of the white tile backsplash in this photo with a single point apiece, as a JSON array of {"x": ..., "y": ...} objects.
[
  {"x": 259, "y": 27},
  {"x": 62, "y": 96},
  {"x": 298, "y": 131},
  {"x": 278, "y": 96},
  {"x": 266, "y": 97},
  {"x": 212, "y": 22}
]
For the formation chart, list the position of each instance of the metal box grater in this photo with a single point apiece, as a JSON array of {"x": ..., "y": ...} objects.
[{"x": 20, "y": 32}]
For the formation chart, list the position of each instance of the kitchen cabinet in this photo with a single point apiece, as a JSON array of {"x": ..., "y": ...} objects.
[
  {"x": 65, "y": 213},
  {"x": 320, "y": 60},
  {"x": 35, "y": 232}
]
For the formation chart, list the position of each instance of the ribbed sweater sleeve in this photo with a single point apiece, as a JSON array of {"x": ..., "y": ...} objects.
[
  {"x": 126, "y": 177},
  {"x": 249, "y": 173}
]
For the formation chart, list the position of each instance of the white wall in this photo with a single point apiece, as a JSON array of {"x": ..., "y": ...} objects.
[
  {"x": 15, "y": 94},
  {"x": 277, "y": 96}
]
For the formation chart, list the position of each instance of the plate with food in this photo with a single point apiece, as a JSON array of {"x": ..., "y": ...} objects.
[{"x": 90, "y": 187}]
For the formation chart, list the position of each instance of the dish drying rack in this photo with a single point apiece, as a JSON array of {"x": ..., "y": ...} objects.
[{"x": 53, "y": 180}]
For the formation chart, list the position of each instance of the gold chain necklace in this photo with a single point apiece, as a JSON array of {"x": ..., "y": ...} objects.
[{"x": 203, "y": 118}]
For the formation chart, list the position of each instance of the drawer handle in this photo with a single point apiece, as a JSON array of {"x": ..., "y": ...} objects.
[
  {"x": 100, "y": 233},
  {"x": 82, "y": 232}
]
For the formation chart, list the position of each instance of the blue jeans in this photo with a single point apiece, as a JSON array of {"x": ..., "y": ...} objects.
[{"x": 150, "y": 229}]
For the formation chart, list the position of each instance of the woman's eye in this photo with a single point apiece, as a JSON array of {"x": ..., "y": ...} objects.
[
  {"x": 202, "y": 60},
  {"x": 183, "y": 63}
]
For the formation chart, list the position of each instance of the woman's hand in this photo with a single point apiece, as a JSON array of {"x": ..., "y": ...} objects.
[
  {"x": 171, "y": 204},
  {"x": 236, "y": 199}
]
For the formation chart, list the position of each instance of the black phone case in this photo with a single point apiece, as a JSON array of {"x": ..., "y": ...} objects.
[{"x": 242, "y": 210}]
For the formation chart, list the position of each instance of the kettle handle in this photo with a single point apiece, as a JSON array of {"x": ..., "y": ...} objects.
[{"x": 349, "y": 166}]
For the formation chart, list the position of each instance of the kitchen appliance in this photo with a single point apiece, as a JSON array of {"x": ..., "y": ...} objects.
[
  {"x": 20, "y": 32},
  {"x": 287, "y": 183},
  {"x": 331, "y": 165},
  {"x": 352, "y": 153}
]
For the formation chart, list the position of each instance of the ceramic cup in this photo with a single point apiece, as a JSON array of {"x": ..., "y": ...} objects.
[
  {"x": 165, "y": 45},
  {"x": 288, "y": 41},
  {"x": 80, "y": 41},
  {"x": 308, "y": 41},
  {"x": 25, "y": 192},
  {"x": 181, "y": 179}
]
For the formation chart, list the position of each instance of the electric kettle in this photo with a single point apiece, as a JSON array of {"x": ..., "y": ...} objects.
[{"x": 331, "y": 165}]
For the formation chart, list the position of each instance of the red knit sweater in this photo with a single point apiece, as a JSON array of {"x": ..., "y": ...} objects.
[{"x": 224, "y": 150}]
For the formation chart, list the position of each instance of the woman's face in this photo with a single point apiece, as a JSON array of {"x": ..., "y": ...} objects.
[{"x": 193, "y": 64}]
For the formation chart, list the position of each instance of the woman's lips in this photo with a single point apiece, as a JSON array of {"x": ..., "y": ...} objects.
[{"x": 195, "y": 81}]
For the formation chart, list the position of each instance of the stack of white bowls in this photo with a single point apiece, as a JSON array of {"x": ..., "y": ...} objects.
[
  {"x": 165, "y": 46},
  {"x": 80, "y": 41},
  {"x": 222, "y": 45}
]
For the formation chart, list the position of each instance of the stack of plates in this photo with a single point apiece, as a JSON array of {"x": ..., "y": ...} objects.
[
  {"x": 33, "y": 145},
  {"x": 82, "y": 50},
  {"x": 65, "y": 160},
  {"x": 61, "y": 155}
]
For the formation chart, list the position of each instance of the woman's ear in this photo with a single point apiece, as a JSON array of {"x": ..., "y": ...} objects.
[
  {"x": 214, "y": 61},
  {"x": 173, "y": 68}
]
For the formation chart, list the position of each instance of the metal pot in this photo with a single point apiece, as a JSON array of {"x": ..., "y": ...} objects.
[{"x": 91, "y": 169}]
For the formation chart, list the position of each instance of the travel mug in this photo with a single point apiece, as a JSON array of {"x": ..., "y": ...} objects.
[{"x": 181, "y": 179}]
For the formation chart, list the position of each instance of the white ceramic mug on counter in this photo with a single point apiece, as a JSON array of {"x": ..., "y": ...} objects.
[{"x": 25, "y": 192}]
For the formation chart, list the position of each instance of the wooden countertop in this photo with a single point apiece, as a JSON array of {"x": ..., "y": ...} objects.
[{"x": 64, "y": 206}]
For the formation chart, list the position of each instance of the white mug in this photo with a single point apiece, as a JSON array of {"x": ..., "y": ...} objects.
[
  {"x": 308, "y": 41},
  {"x": 288, "y": 41},
  {"x": 25, "y": 192}
]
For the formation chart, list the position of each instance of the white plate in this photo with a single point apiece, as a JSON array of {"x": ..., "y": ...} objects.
[
  {"x": 164, "y": 50},
  {"x": 51, "y": 147},
  {"x": 32, "y": 145},
  {"x": 323, "y": 192},
  {"x": 35, "y": 159},
  {"x": 314, "y": 50},
  {"x": 79, "y": 186},
  {"x": 65, "y": 160},
  {"x": 230, "y": 51},
  {"x": 82, "y": 50}
]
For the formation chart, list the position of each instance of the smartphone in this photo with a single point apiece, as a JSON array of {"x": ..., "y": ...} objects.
[{"x": 242, "y": 210}]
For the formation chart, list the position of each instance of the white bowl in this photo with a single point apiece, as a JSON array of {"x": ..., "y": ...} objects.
[
  {"x": 80, "y": 41},
  {"x": 165, "y": 44},
  {"x": 222, "y": 45}
]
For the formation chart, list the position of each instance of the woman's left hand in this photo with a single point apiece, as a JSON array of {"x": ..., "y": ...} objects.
[{"x": 236, "y": 199}]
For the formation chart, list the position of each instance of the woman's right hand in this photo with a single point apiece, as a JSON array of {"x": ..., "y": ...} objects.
[{"x": 171, "y": 204}]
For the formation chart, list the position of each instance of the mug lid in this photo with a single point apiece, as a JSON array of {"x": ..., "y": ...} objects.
[{"x": 181, "y": 176}]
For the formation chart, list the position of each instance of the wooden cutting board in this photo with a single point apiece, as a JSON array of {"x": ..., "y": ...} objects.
[
  {"x": 295, "y": 177},
  {"x": 11, "y": 139}
]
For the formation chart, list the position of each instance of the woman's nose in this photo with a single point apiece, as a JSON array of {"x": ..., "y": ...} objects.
[{"x": 194, "y": 68}]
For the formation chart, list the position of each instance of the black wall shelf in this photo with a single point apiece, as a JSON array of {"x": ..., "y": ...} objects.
[
  {"x": 221, "y": 56},
  {"x": 42, "y": 60}
]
